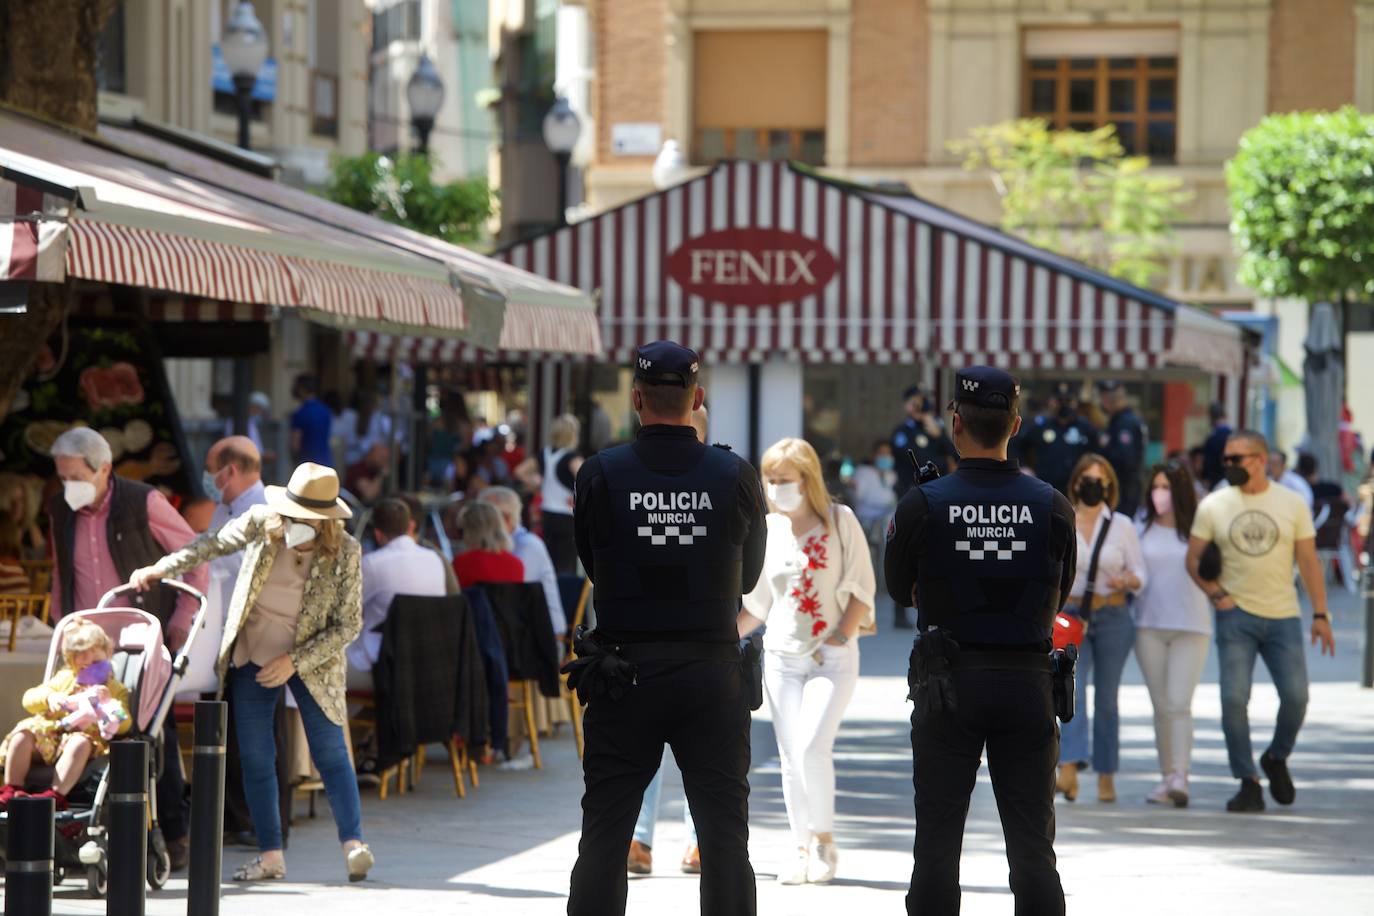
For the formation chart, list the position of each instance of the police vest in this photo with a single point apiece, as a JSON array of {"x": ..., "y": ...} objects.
[
  {"x": 671, "y": 563},
  {"x": 986, "y": 571}
]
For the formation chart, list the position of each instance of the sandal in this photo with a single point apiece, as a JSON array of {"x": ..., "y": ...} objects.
[
  {"x": 360, "y": 861},
  {"x": 258, "y": 870}
]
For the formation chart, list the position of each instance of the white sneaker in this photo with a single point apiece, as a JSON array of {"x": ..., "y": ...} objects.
[
  {"x": 1159, "y": 795},
  {"x": 822, "y": 869},
  {"x": 1178, "y": 789},
  {"x": 796, "y": 873}
]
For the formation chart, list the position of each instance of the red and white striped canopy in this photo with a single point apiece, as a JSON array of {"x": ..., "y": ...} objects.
[
  {"x": 757, "y": 260},
  {"x": 33, "y": 227}
]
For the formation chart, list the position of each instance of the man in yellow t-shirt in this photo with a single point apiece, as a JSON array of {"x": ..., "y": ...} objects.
[{"x": 1261, "y": 530}]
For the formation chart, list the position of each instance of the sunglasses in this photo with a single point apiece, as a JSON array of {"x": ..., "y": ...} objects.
[{"x": 1237, "y": 459}]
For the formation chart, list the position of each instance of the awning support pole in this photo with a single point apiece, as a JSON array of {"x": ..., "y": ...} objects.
[{"x": 243, "y": 386}]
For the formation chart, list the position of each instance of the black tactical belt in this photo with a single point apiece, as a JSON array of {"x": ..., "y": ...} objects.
[
  {"x": 1011, "y": 661},
  {"x": 678, "y": 651}
]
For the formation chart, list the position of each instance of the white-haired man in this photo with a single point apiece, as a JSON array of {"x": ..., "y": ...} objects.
[
  {"x": 103, "y": 528},
  {"x": 531, "y": 551}
]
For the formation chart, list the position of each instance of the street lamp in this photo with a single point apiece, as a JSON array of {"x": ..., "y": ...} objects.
[
  {"x": 670, "y": 167},
  {"x": 244, "y": 48},
  {"x": 562, "y": 127},
  {"x": 425, "y": 95}
]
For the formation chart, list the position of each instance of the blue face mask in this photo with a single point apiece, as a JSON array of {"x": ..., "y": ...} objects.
[
  {"x": 884, "y": 462},
  {"x": 95, "y": 673},
  {"x": 212, "y": 489}
]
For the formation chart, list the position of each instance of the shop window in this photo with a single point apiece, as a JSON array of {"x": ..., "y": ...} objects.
[
  {"x": 111, "y": 72},
  {"x": 324, "y": 104},
  {"x": 1137, "y": 95},
  {"x": 395, "y": 21},
  {"x": 760, "y": 95}
]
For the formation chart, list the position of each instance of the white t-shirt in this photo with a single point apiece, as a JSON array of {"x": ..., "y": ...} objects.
[
  {"x": 1256, "y": 534},
  {"x": 1170, "y": 599},
  {"x": 1120, "y": 553},
  {"x": 807, "y": 581}
]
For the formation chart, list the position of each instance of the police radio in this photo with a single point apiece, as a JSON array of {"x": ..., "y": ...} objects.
[{"x": 926, "y": 471}]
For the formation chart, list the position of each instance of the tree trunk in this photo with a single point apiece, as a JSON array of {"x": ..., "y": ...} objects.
[{"x": 47, "y": 67}]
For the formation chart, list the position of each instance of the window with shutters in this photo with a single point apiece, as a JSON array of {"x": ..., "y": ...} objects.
[{"x": 1136, "y": 94}]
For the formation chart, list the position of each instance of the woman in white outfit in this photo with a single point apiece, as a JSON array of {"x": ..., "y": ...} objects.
[
  {"x": 816, "y": 593},
  {"x": 1173, "y": 626}
]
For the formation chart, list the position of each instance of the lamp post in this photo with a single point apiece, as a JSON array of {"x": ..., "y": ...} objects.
[
  {"x": 244, "y": 48},
  {"x": 425, "y": 96},
  {"x": 562, "y": 127}
]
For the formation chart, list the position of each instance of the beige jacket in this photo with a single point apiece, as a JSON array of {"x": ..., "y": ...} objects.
[{"x": 331, "y": 611}]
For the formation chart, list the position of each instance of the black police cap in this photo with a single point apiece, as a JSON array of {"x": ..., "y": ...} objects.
[
  {"x": 986, "y": 386},
  {"x": 912, "y": 391},
  {"x": 1065, "y": 392},
  {"x": 664, "y": 362}
]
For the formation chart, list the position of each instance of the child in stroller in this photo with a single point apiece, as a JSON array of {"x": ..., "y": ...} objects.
[{"x": 74, "y": 716}]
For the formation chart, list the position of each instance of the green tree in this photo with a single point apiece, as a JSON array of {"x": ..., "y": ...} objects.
[
  {"x": 1078, "y": 193},
  {"x": 402, "y": 190},
  {"x": 1301, "y": 188}
]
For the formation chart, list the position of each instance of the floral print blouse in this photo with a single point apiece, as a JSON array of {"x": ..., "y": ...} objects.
[{"x": 331, "y": 613}]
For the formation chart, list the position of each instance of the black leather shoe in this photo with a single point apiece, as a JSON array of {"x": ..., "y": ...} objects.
[
  {"x": 1280, "y": 783},
  {"x": 241, "y": 838},
  {"x": 1250, "y": 798}
]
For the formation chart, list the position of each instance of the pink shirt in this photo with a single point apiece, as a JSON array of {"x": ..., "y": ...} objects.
[{"x": 95, "y": 568}]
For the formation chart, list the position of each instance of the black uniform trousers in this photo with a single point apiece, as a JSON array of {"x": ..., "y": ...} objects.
[
  {"x": 1012, "y": 712},
  {"x": 699, "y": 708}
]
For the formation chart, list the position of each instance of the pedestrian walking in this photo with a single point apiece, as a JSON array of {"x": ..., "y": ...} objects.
[
  {"x": 875, "y": 498},
  {"x": 988, "y": 554},
  {"x": 672, "y": 532},
  {"x": 1173, "y": 626},
  {"x": 815, "y": 594},
  {"x": 1123, "y": 443},
  {"x": 1261, "y": 529},
  {"x": 296, "y": 607},
  {"x": 552, "y": 473},
  {"x": 1110, "y": 568}
]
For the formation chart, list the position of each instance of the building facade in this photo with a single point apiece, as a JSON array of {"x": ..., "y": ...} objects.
[{"x": 876, "y": 90}]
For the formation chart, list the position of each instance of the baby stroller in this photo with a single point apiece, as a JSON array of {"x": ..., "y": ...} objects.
[{"x": 144, "y": 666}]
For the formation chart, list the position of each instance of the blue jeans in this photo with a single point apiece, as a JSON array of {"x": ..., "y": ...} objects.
[
  {"x": 1240, "y": 637},
  {"x": 1102, "y": 658},
  {"x": 254, "y": 707},
  {"x": 648, "y": 812}
]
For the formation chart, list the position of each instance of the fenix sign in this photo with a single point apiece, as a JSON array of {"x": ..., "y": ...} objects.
[{"x": 752, "y": 266}]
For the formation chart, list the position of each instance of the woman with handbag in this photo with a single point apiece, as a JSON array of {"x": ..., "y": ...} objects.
[
  {"x": 1113, "y": 569},
  {"x": 816, "y": 592},
  {"x": 1173, "y": 620},
  {"x": 297, "y": 605}
]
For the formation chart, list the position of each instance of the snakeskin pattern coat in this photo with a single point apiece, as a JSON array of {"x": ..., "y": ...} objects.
[{"x": 331, "y": 613}]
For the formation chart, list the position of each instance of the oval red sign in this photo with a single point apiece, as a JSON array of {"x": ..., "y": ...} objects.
[{"x": 752, "y": 266}]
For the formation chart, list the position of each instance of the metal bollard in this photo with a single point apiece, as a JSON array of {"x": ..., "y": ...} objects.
[
  {"x": 207, "y": 809},
  {"x": 28, "y": 858},
  {"x": 128, "y": 846}
]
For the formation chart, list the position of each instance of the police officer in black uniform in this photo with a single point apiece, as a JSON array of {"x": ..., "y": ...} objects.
[
  {"x": 987, "y": 554},
  {"x": 1063, "y": 439},
  {"x": 672, "y": 533},
  {"x": 1123, "y": 443},
  {"x": 923, "y": 436}
]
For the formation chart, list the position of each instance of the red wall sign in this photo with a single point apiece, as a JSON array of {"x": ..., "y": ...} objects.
[{"x": 752, "y": 266}]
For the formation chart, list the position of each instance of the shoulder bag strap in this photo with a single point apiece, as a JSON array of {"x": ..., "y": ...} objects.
[{"x": 1092, "y": 563}]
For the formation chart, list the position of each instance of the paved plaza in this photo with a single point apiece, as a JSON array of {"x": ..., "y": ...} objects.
[{"x": 509, "y": 846}]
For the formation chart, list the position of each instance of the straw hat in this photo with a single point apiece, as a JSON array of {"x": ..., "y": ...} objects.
[{"x": 313, "y": 493}]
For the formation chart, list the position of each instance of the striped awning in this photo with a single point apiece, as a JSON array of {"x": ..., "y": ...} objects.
[
  {"x": 755, "y": 261},
  {"x": 33, "y": 227},
  {"x": 529, "y": 331}
]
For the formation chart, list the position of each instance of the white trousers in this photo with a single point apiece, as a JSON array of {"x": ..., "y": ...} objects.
[
  {"x": 1172, "y": 662},
  {"x": 808, "y": 699}
]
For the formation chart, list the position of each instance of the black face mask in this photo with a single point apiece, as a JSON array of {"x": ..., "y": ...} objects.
[
  {"x": 1067, "y": 413},
  {"x": 1091, "y": 492},
  {"x": 1236, "y": 475}
]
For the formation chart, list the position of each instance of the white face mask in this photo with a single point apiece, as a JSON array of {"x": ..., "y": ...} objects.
[
  {"x": 78, "y": 493},
  {"x": 786, "y": 496},
  {"x": 298, "y": 533}
]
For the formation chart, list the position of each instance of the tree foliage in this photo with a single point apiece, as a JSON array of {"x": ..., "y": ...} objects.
[
  {"x": 1301, "y": 190},
  {"x": 402, "y": 190},
  {"x": 1078, "y": 193}
]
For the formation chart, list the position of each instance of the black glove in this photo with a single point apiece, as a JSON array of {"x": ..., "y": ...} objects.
[
  {"x": 932, "y": 683},
  {"x": 597, "y": 671}
]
